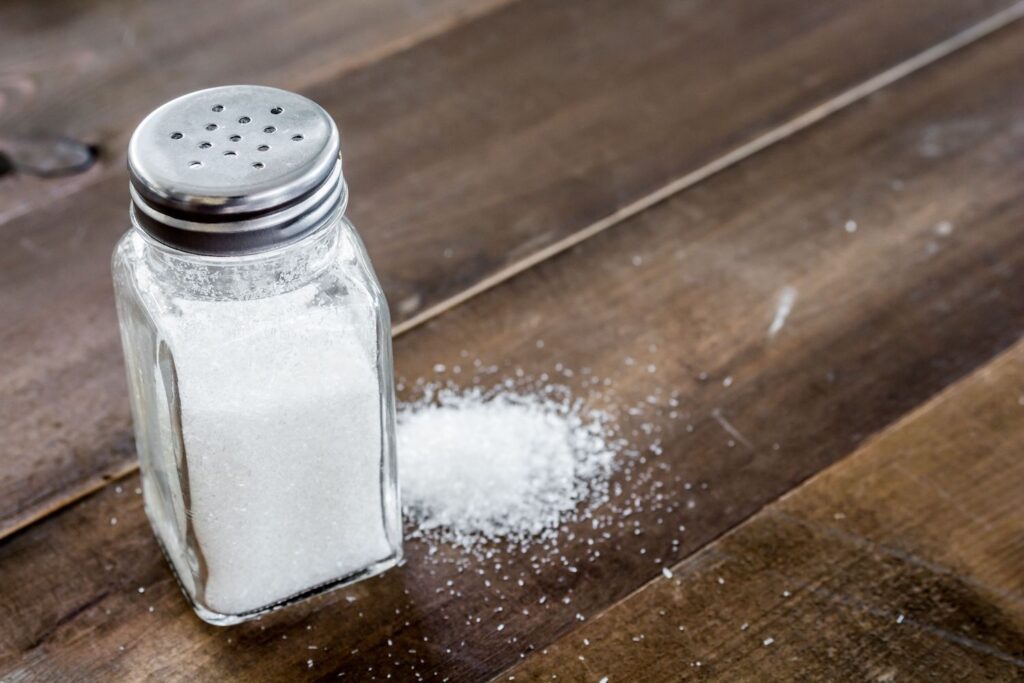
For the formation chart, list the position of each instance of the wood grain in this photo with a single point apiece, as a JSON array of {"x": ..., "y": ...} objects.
[
  {"x": 467, "y": 154},
  {"x": 91, "y": 71},
  {"x": 902, "y": 562},
  {"x": 678, "y": 303}
]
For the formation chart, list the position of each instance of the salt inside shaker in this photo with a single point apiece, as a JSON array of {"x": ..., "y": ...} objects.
[{"x": 258, "y": 348}]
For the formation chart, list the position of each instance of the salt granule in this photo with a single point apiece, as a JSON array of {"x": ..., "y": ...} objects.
[{"x": 481, "y": 465}]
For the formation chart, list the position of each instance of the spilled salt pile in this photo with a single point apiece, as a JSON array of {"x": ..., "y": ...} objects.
[{"x": 485, "y": 465}]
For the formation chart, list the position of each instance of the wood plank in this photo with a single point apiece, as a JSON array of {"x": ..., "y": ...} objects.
[
  {"x": 468, "y": 156},
  {"x": 91, "y": 71},
  {"x": 885, "y": 316},
  {"x": 902, "y": 562}
]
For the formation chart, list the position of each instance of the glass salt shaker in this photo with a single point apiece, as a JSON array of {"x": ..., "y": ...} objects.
[{"x": 258, "y": 347}]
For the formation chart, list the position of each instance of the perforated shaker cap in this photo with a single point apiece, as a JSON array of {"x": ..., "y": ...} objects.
[{"x": 235, "y": 170}]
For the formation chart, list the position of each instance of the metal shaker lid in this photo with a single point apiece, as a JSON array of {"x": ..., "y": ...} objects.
[{"x": 235, "y": 170}]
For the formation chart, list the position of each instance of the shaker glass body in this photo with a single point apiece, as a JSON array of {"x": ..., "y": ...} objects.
[{"x": 263, "y": 405}]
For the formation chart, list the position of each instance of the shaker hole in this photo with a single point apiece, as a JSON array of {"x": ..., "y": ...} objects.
[
  {"x": 195, "y": 164},
  {"x": 176, "y": 136},
  {"x": 269, "y": 129},
  {"x": 205, "y": 145},
  {"x": 263, "y": 148},
  {"x": 230, "y": 153},
  {"x": 218, "y": 107},
  {"x": 244, "y": 119},
  {"x": 235, "y": 138},
  {"x": 258, "y": 164},
  {"x": 276, "y": 110},
  {"x": 296, "y": 138},
  {"x": 211, "y": 126}
]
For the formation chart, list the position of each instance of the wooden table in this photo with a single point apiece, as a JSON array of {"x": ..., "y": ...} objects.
[{"x": 806, "y": 217}]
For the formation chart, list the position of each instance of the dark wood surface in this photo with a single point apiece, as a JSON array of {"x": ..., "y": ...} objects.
[
  {"x": 469, "y": 156},
  {"x": 902, "y": 562},
  {"x": 921, "y": 289},
  {"x": 91, "y": 70}
]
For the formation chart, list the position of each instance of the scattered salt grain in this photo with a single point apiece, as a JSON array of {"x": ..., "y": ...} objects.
[
  {"x": 666, "y": 572},
  {"x": 768, "y": 641},
  {"x": 851, "y": 226},
  {"x": 787, "y": 297}
]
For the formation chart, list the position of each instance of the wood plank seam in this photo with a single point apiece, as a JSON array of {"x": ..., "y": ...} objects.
[
  {"x": 405, "y": 43},
  {"x": 692, "y": 562},
  {"x": 758, "y": 144},
  {"x": 762, "y": 142}
]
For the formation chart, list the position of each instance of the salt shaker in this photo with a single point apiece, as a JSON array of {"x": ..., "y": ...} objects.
[{"x": 258, "y": 347}]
